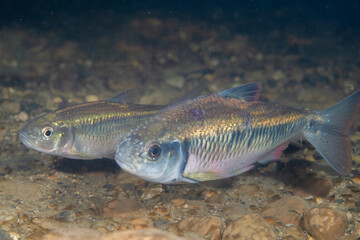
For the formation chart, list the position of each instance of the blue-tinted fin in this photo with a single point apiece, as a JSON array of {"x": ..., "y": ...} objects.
[
  {"x": 125, "y": 97},
  {"x": 247, "y": 92},
  {"x": 330, "y": 136}
]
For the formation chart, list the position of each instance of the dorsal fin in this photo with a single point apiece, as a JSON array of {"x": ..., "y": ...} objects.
[
  {"x": 247, "y": 92},
  {"x": 193, "y": 93},
  {"x": 125, "y": 97}
]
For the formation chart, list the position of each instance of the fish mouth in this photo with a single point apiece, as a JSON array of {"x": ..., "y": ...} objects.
[
  {"x": 25, "y": 139},
  {"x": 126, "y": 166}
]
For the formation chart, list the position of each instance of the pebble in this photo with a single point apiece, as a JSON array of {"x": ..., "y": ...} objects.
[
  {"x": 161, "y": 223},
  {"x": 91, "y": 98},
  {"x": 145, "y": 234},
  {"x": 356, "y": 180},
  {"x": 296, "y": 232},
  {"x": 73, "y": 234},
  {"x": 153, "y": 192},
  {"x": 288, "y": 210},
  {"x": 22, "y": 116},
  {"x": 278, "y": 75},
  {"x": 7, "y": 215},
  {"x": 65, "y": 216},
  {"x": 123, "y": 208},
  {"x": 325, "y": 223},
  {"x": 176, "y": 81},
  {"x": 203, "y": 226},
  {"x": 249, "y": 227},
  {"x": 57, "y": 100}
]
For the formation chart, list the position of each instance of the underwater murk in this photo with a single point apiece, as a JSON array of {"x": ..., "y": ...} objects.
[{"x": 62, "y": 63}]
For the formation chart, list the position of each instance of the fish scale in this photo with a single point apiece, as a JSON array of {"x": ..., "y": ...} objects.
[{"x": 240, "y": 138}]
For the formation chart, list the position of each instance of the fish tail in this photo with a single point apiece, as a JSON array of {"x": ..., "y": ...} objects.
[{"x": 328, "y": 132}]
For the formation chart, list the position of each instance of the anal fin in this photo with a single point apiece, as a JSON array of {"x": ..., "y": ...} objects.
[{"x": 274, "y": 154}]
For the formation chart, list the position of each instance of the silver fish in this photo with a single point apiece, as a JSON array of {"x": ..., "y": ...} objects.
[{"x": 224, "y": 134}]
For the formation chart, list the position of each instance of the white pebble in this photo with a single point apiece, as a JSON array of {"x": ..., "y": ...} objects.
[
  {"x": 22, "y": 116},
  {"x": 91, "y": 98},
  {"x": 176, "y": 81}
]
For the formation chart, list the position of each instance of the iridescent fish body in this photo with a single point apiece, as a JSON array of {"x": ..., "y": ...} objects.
[
  {"x": 224, "y": 134},
  {"x": 85, "y": 131}
]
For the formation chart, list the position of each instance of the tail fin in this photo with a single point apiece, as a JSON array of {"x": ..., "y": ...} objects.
[{"x": 330, "y": 137}]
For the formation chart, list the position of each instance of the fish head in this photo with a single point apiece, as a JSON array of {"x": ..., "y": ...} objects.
[
  {"x": 151, "y": 154},
  {"x": 46, "y": 135}
]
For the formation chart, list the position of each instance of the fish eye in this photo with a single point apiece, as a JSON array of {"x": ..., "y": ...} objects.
[
  {"x": 47, "y": 133},
  {"x": 154, "y": 151}
]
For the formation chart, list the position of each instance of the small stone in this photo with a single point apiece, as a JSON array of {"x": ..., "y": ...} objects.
[
  {"x": 356, "y": 180},
  {"x": 178, "y": 202},
  {"x": 57, "y": 100},
  {"x": 161, "y": 223},
  {"x": 22, "y": 116},
  {"x": 203, "y": 226},
  {"x": 250, "y": 227},
  {"x": 7, "y": 215},
  {"x": 287, "y": 210},
  {"x": 91, "y": 98},
  {"x": 104, "y": 224},
  {"x": 296, "y": 232},
  {"x": 74, "y": 234},
  {"x": 123, "y": 208},
  {"x": 278, "y": 75},
  {"x": 148, "y": 234},
  {"x": 176, "y": 81},
  {"x": 325, "y": 223},
  {"x": 153, "y": 192},
  {"x": 65, "y": 216}
]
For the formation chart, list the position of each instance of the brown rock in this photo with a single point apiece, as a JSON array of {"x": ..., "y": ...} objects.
[
  {"x": 249, "y": 227},
  {"x": 124, "y": 208},
  {"x": 287, "y": 210},
  {"x": 296, "y": 232},
  {"x": 80, "y": 233},
  {"x": 233, "y": 212},
  {"x": 7, "y": 215},
  {"x": 74, "y": 234},
  {"x": 313, "y": 186},
  {"x": 205, "y": 226},
  {"x": 152, "y": 192},
  {"x": 144, "y": 234},
  {"x": 325, "y": 223}
]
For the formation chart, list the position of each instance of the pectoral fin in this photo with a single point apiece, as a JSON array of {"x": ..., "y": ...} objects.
[{"x": 203, "y": 176}]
